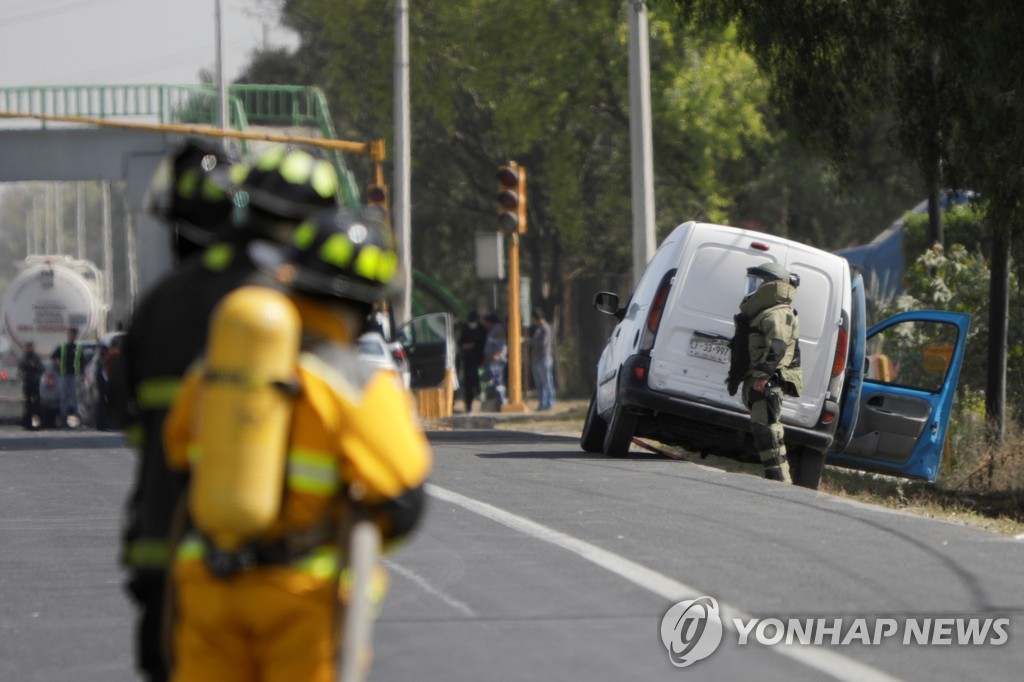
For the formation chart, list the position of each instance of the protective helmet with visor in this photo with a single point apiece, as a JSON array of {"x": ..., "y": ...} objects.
[{"x": 763, "y": 273}]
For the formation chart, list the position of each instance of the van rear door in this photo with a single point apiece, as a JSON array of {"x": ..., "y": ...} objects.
[{"x": 912, "y": 367}]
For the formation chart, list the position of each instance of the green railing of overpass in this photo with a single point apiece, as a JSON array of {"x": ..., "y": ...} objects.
[{"x": 284, "y": 106}]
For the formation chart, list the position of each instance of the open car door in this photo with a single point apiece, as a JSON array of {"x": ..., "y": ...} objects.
[
  {"x": 911, "y": 371},
  {"x": 429, "y": 342}
]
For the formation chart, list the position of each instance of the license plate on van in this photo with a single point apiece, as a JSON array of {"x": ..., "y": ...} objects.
[{"x": 710, "y": 349}]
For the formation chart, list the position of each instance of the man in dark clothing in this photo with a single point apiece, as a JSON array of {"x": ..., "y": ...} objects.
[
  {"x": 68, "y": 357},
  {"x": 471, "y": 342},
  {"x": 31, "y": 369},
  {"x": 168, "y": 332}
]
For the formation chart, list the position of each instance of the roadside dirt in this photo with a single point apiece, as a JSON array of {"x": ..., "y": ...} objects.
[{"x": 999, "y": 513}]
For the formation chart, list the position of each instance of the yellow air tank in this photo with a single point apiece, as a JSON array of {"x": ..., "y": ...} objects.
[{"x": 243, "y": 415}]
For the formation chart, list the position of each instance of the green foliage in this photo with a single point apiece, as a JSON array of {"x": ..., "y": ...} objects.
[
  {"x": 545, "y": 83},
  {"x": 957, "y": 279}
]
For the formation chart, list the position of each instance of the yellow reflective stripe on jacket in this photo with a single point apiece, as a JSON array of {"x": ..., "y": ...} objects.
[
  {"x": 191, "y": 548},
  {"x": 312, "y": 472},
  {"x": 195, "y": 452},
  {"x": 134, "y": 434},
  {"x": 148, "y": 553},
  {"x": 320, "y": 562},
  {"x": 158, "y": 394}
]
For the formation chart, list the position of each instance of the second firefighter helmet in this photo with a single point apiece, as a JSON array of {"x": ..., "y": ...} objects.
[
  {"x": 341, "y": 254},
  {"x": 288, "y": 185},
  {"x": 769, "y": 272},
  {"x": 192, "y": 191}
]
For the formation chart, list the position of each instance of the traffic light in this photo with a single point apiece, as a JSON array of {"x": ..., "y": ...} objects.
[
  {"x": 512, "y": 198},
  {"x": 377, "y": 200}
]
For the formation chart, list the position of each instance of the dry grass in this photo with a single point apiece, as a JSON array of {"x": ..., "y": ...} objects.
[{"x": 981, "y": 482}]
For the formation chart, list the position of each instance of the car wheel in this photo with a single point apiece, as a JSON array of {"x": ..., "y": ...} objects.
[
  {"x": 806, "y": 467},
  {"x": 620, "y": 432},
  {"x": 594, "y": 429}
]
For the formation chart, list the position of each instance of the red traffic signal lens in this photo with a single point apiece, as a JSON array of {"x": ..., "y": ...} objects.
[
  {"x": 508, "y": 177},
  {"x": 508, "y": 200},
  {"x": 377, "y": 195}
]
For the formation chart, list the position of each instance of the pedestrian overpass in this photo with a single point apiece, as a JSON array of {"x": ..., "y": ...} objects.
[{"x": 44, "y": 144}]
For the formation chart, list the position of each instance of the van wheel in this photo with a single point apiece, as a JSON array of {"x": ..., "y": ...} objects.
[
  {"x": 594, "y": 429},
  {"x": 620, "y": 432},
  {"x": 806, "y": 467}
]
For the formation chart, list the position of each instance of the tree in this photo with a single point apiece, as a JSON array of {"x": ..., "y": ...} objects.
[
  {"x": 544, "y": 82},
  {"x": 949, "y": 72}
]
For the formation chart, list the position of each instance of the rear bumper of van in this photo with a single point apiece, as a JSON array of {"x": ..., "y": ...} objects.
[{"x": 636, "y": 396}]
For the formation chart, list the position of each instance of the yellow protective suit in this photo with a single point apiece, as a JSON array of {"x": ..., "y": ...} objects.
[{"x": 279, "y": 622}]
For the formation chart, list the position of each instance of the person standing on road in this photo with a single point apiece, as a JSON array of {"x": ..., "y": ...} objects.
[
  {"x": 68, "y": 357},
  {"x": 471, "y": 344},
  {"x": 263, "y": 603},
  {"x": 542, "y": 360},
  {"x": 495, "y": 359},
  {"x": 196, "y": 192},
  {"x": 774, "y": 361},
  {"x": 31, "y": 369}
]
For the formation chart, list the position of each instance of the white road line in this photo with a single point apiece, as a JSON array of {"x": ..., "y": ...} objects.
[
  {"x": 425, "y": 585},
  {"x": 836, "y": 665}
]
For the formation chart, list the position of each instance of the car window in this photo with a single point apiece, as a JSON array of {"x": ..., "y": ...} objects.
[
  {"x": 913, "y": 354},
  {"x": 663, "y": 260}
]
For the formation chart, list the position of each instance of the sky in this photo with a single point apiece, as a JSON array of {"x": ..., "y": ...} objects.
[{"x": 87, "y": 42}]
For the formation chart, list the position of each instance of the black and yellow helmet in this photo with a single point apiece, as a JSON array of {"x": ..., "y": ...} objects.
[
  {"x": 289, "y": 184},
  {"x": 341, "y": 254},
  {"x": 192, "y": 190}
]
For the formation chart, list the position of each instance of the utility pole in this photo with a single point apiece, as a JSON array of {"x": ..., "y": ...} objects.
[
  {"x": 222, "y": 88},
  {"x": 640, "y": 137},
  {"x": 402, "y": 198}
]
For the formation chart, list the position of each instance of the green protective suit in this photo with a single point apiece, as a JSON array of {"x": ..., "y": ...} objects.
[{"x": 774, "y": 354}]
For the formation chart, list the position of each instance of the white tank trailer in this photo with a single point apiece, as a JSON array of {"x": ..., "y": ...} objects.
[{"x": 50, "y": 295}]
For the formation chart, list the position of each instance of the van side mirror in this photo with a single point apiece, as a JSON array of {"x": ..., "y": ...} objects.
[{"x": 608, "y": 303}]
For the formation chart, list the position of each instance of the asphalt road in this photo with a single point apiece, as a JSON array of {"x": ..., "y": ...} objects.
[{"x": 537, "y": 561}]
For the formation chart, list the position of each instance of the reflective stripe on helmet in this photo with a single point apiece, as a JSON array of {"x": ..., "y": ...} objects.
[
  {"x": 304, "y": 235},
  {"x": 337, "y": 250},
  {"x": 324, "y": 180},
  {"x": 271, "y": 158},
  {"x": 218, "y": 257},
  {"x": 367, "y": 262},
  {"x": 187, "y": 183}
]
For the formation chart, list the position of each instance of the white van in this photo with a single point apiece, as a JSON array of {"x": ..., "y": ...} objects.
[{"x": 663, "y": 372}]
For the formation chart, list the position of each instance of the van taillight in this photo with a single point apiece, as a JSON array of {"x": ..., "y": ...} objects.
[
  {"x": 839, "y": 363},
  {"x": 658, "y": 307}
]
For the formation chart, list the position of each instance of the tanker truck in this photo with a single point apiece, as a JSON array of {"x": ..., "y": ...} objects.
[{"x": 49, "y": 295}]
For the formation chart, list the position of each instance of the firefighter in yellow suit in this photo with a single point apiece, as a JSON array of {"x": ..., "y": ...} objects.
[{"x": 266, "y": 607}]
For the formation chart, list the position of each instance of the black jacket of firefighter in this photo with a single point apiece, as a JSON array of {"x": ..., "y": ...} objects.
[{"x": 167, "y": 334}]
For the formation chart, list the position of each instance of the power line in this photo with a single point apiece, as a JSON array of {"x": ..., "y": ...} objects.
[{"x": 48, "y": 12}]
